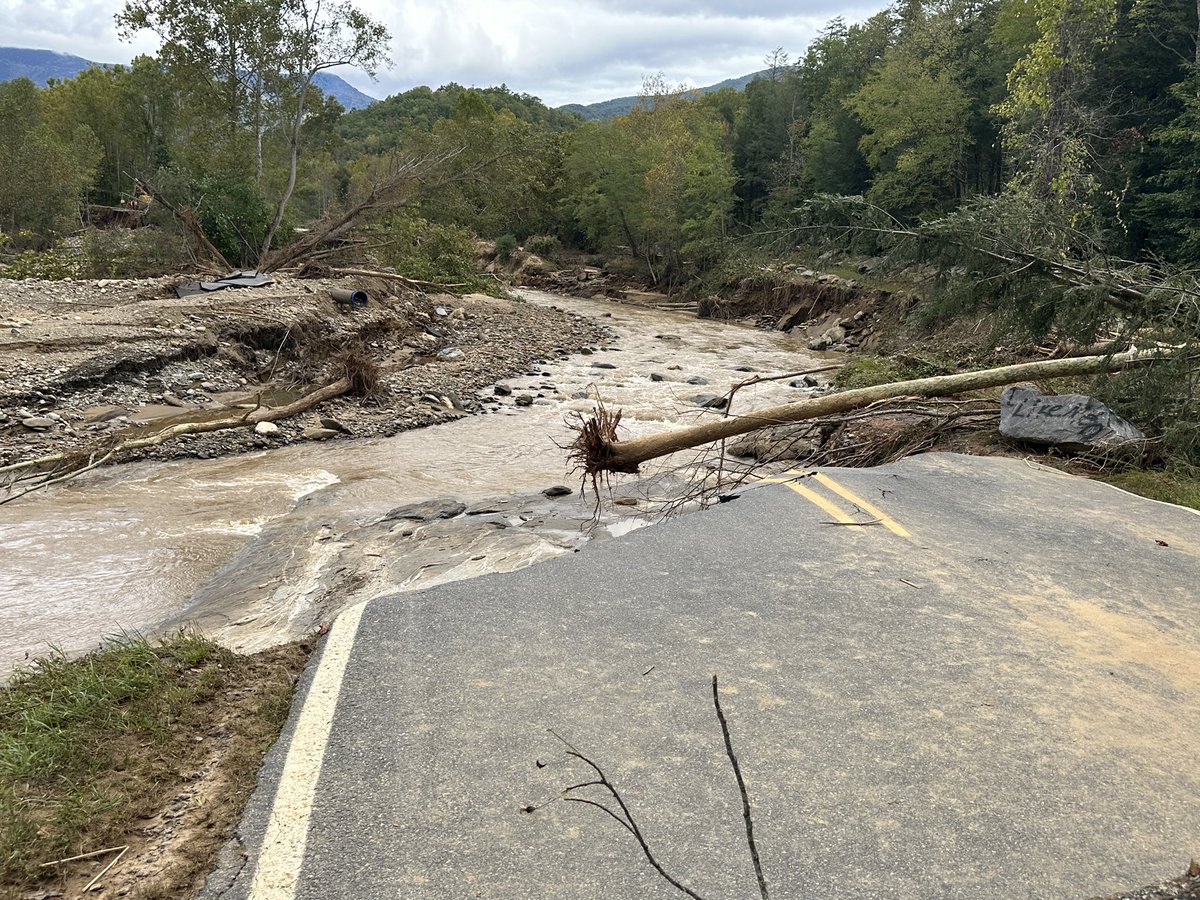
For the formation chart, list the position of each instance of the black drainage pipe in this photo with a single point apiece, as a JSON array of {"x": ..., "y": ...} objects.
[{"x": 353, "y": 299}]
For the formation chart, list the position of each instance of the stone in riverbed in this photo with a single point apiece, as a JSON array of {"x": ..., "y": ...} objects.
[
  {"x": 523, "y": 400},
  {"x": 266, "y": 428},
  {"x": 707, "y": 401},
  {"x": 604, "y": 366},
  {"x": 1071, "y": 421},
  {"x": 502, "y": 390},
  {"x": 427, "y": 511},
  {"x": 313, "y": 433},
  {"x": 656, "y": 376},
  {"x": 558, "y": 490},
  {"x": 696, "y": 379},
  {"x": 38, "y": 423}
]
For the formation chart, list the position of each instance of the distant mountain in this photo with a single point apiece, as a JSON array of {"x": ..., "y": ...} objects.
[
  {"x": 622, "y": 106},
  {"x": 41, "y": 65}
]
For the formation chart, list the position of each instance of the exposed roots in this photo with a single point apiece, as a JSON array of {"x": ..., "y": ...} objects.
[
  {"x": 360, "y": 368},
  {"x": 590, "y": 452}
]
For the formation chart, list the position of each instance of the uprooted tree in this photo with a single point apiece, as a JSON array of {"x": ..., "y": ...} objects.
[{"x": 597, "y": 450}]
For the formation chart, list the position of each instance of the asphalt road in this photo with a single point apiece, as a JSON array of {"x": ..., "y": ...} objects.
[{"x": 991, "y": 691}]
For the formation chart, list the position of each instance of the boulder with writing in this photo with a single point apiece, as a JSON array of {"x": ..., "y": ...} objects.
[{"x": 1071, "y": 421}]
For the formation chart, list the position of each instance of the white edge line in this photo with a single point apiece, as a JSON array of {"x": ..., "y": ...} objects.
[{"x": 278, "y": 868}]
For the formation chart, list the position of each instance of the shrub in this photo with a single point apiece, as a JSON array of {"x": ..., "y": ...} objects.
[
  {"x": 506, "y": 246},
  {"x": 543, "y": 245},
  {"x": 133, "y": 254}
]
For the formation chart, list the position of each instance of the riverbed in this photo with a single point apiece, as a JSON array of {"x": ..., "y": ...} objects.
[{"x": 259, "y": 548}]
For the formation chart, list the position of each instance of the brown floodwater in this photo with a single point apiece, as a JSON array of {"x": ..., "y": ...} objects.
[{"x": 129, "y": 548}]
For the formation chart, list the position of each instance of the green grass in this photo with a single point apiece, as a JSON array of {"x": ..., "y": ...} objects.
[
  {"x": 1159, "y": 485},
  {"x": 92, "y": 747}
]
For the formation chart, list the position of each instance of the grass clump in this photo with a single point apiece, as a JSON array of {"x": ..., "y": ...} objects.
[
  {"x": 1170, "y": 487},
  {"x": 92, "y": 748}
]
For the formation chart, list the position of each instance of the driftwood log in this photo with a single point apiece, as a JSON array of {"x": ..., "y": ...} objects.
[{"x": 596, "y": 449}]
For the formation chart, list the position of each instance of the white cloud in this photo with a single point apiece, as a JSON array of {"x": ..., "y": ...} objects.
[{"x": 563, "y": 52}]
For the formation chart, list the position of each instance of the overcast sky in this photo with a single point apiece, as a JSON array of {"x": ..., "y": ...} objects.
[{"x": 563, "y": 52}]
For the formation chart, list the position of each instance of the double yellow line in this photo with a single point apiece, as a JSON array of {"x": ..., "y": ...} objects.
[{"x": 792, "y": 480}]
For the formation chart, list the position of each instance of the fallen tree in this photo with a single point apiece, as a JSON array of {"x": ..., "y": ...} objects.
[
  {"x": 596, "y": 450},
  {"x": 360, "y": 376}
]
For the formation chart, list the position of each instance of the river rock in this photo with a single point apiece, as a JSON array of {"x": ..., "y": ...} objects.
[
  {"x": 604, "y": 366},
  {"x": 450, "y": 354},
  {"x": 266, "y": 429},
  {"x": 708, "y": 401},
  {"x": 334, "y": 425},
  {"x": 657, "y": 376},
  {"x": 523, "y": 400},
  {"x": 502, "y": 390},
  {"x": 696, "y": 379},
  {"x": 558, "y": 490},
  {"x": 427, "y": 510},
  {"x": 38, "y": 423},
  {"x": 172, "y": 400},
  {"x": 782, "y": 442},
  {"x": 1071, "y": 421},
  {"x": 314, "y": 433}
]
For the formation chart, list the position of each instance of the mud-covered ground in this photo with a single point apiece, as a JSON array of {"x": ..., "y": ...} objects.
[{"x": 83, "y": 363}]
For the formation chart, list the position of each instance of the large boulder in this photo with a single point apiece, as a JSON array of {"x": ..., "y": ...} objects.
[{"x": 1071, "y": 421}]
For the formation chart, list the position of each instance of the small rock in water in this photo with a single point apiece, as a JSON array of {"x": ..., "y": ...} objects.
[
  {"x": 708, "y": 401},
  {"x": 674, "y": 368},
  {"x": 587, "y": 351},
  {"x": 558, "y": 490},
  {"x": 604, "y": 366},
  {"x": 696, "y": 379},
  {"x": 502, "y": 390},
  {"x": 439, "y": 508},
  {"x": 524, "y": 400},
  {"x": 266, "y": 428},
  {"x": 38, "y": 423},
  {"x": 743, "y": 368},
  {"x": 657, "y": 376},
  {"x": 172, "y": 400}
]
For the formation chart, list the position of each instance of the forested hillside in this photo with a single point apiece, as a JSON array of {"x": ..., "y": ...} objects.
[{"x": 1081, "y": 119}]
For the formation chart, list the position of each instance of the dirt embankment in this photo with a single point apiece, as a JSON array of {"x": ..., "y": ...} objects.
[{"x": 87, "y": 363}]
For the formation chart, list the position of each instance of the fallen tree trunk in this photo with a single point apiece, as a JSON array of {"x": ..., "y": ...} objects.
[
  {"x": 68, "y": 465},
  {"x": 597, "y": 450}
]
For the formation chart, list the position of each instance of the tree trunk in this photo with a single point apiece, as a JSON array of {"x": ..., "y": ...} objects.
[
  {"x": 293, "y": 163},
  {"x": 603, "y": 453}
]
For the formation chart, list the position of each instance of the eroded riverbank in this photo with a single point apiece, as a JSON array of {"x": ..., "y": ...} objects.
[{"x": 260, "y": 547}]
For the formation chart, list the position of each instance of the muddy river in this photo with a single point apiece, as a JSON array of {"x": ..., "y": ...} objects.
[{"x": 258, "y": 548}]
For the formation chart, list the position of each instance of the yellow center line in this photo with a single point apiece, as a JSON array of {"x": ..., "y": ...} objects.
[
  {"x": 813, "y": 497},
  {"x": 844, "y": 492}
]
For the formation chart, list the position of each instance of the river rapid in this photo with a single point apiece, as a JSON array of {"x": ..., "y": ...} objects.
[{"x": 257, "y": 548}]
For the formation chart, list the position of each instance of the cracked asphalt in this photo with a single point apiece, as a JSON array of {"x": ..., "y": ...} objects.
[{"x": 989, "y": 690}]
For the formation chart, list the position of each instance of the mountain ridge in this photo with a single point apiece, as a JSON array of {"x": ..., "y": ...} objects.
[
  {"x": 41, "y": 65},
  {"x": 621, "y": 106}
]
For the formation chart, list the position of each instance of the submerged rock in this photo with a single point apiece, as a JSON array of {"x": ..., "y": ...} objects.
[{"x": 1071, "y": 421}]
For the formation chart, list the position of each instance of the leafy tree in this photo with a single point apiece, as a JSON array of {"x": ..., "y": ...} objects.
[
  {"x": 264, "y": 55},
  {"x": 55, "y": 171}
]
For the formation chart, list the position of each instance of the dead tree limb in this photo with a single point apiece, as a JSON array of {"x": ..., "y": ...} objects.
[
  {"x": 596, "y": 449},
  {"x": 741, "y": 783},
  {"x": 75, "y": 463}
]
